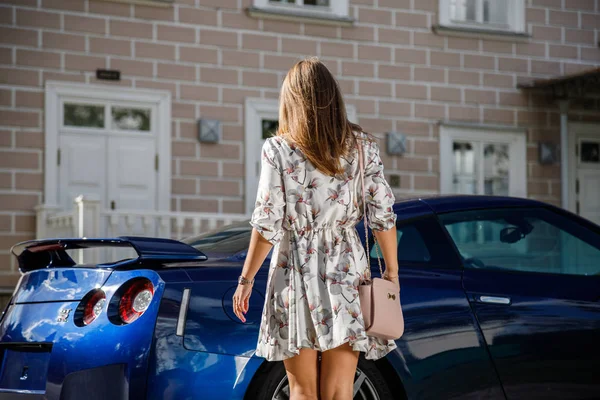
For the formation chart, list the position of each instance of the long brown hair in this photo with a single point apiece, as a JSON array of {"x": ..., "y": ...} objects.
[{"x": 313, "y": 115}]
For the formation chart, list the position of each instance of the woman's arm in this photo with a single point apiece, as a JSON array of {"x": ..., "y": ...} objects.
[
  {"x": 388, "y": 243},
  {"x": 382, "y": 218},
  {"x": 257, "y": 252},
  {"x": 266, "y": 221}
]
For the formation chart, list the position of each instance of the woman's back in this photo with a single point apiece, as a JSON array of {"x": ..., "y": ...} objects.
[{"x": 319, "y": 259}]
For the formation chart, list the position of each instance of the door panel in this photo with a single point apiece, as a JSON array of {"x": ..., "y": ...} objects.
[
  {"x": 82, "y": 168},
  {"x": 442, "y": 354},
  {"x": 544, "y": 343},
  {"x": 132, "y": 180},
  {"x": 532, "y": 278},
  {"x": 132, "y": 176}
]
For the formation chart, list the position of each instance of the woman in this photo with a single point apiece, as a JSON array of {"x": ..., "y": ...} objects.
[{"x": 309, "y": 199}]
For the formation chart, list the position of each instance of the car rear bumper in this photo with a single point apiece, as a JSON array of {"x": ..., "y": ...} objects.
[
  {"x": 43, "y": 352},
  {"x": 101, "y": 383}
]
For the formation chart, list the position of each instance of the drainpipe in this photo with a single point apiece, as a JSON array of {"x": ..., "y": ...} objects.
[{"x": 564, "y": 153}]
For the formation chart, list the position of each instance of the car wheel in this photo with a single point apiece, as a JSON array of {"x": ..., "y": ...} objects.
[{"x": 272, "y": 383}]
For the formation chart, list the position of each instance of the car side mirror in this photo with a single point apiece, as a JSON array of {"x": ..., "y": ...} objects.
[{"x": 512, "y": 234}]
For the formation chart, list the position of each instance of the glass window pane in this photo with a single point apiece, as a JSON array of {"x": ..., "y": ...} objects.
[
  {"x": 283, "y": 1},
  {"x": 465, "y": 177},
  {"x": 419, "y": 242},
  {"x": 269, "y": 128},
  {"x": 463, "y": 10},
  {"x": 83, "y": 115},
  {"x": 535, "y": 240},
  {"x": 322, "y": 3},
  {"x": 590, "y": 152},
  {"x": 496, "y": 166},
  {"x": 134, "y": 119},
  {"x": 495, "y": 12}
]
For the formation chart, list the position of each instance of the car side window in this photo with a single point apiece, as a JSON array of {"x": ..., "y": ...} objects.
[
  {"x": 533, "y": 240},
  {"x": 420, "y": 242}
]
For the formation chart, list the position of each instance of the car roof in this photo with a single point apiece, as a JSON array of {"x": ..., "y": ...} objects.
[{"x": 441, "y": 204}]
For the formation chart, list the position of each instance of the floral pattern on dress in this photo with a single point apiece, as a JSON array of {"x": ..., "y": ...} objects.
[{"x": 318, "y": 259}]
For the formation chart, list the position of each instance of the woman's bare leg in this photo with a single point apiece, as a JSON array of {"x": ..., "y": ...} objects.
[
  {"x": 338, "y": 368},
  {"x": 302, "y": 375}
]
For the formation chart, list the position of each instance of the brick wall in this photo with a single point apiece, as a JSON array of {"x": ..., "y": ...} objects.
[{"x": 211, "y": 56}]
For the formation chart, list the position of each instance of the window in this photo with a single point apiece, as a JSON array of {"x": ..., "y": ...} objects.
[
  {"x": 491, "y": 15},
  {"x": 93, "y": 116},
  {"x": 269, "y": 127},
  {"x": 420, "y": 242},
  {"x": 482, "y": 162},
  {"x": 327, "y": 10},
  {"x": 83, "y": 115},
  {"x": 125, "y": 118},
  {"x": 590, "y": 152},
  {"x": 534, "y": 240},
  {"x": 309, "y": 3}
]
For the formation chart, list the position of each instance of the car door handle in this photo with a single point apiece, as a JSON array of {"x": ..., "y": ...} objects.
[{"x": 494, "y": 299}]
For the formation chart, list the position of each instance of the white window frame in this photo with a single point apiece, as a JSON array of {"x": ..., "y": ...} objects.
[
  {"x": 516, "y": 18},
  {"x": 159, "y": 100},
  {"x": 517, "y": 180},
  {"x": 256, "y": 110},
  {"x": 337, "y": 8}
]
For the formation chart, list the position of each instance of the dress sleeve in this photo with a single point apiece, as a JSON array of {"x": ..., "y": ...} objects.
[
  {"x": 269, "y": 211},
  {"x": 379, "y": 196}
]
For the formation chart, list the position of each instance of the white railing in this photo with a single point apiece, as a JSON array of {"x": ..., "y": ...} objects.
[
  {"x": 87, "y": 219},
  {"x": 174, "y": 225}
]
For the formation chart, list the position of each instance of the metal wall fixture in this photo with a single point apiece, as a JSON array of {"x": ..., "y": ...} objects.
[
  {"x": 209, "y": 130},
  {"x": 395, "y": 143},
  {"x": 548, "y": 153}
]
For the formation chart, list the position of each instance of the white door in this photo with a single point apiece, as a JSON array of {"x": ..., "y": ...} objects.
[
  {"x": 118, "y": 172},
  {"x": 108, "y": 152},
  {"x": 131, "y": 173},
  {"x": 82, "y": 168},
  {"x": 587, "y": 186}
]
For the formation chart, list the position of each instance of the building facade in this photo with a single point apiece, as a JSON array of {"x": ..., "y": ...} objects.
[{"x": 467, "y": 96}]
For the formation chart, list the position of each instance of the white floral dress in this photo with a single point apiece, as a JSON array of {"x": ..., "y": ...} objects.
[{"x": 318, "y": 259}]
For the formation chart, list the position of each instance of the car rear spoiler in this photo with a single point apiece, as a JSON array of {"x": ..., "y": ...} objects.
[{"x": 51, "y": 253}]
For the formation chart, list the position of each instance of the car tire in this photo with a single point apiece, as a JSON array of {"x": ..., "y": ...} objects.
[{"x": 271, "y": 379}]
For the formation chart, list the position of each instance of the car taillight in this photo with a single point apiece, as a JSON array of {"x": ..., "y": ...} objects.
[
  {"x": 94, "y": 307},
  {"x": 135, "y": 300},
  {"x": 90, "y": 308}
]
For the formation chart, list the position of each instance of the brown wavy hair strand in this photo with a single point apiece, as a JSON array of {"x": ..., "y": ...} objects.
[{"x": 312, "y": 114}]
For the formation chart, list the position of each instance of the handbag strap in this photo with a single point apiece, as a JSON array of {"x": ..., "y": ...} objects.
[{"x": 362, "y": 181}]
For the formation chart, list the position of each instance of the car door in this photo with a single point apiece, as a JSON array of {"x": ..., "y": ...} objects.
[
  {"x": 442, "y": 354},
  {"x": 532, "y": 278}
]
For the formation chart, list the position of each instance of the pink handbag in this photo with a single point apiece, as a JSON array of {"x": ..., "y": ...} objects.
[{"x": 379, "y": 298}]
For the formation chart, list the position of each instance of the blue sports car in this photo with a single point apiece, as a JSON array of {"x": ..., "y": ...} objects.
[{"x": 501, "y": 300}]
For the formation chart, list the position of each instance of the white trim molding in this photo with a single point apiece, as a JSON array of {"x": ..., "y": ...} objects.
[
  {"x": 515, "y": 18},
  {"x": 516, "y": 140},
  {"x": 159, "y": 100},
  {"x": 255, "y": 111}
]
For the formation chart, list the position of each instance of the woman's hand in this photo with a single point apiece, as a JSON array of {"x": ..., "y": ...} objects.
[
  {"x": 241, "y": 300},
  {"x": 392, "y": 279}
]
